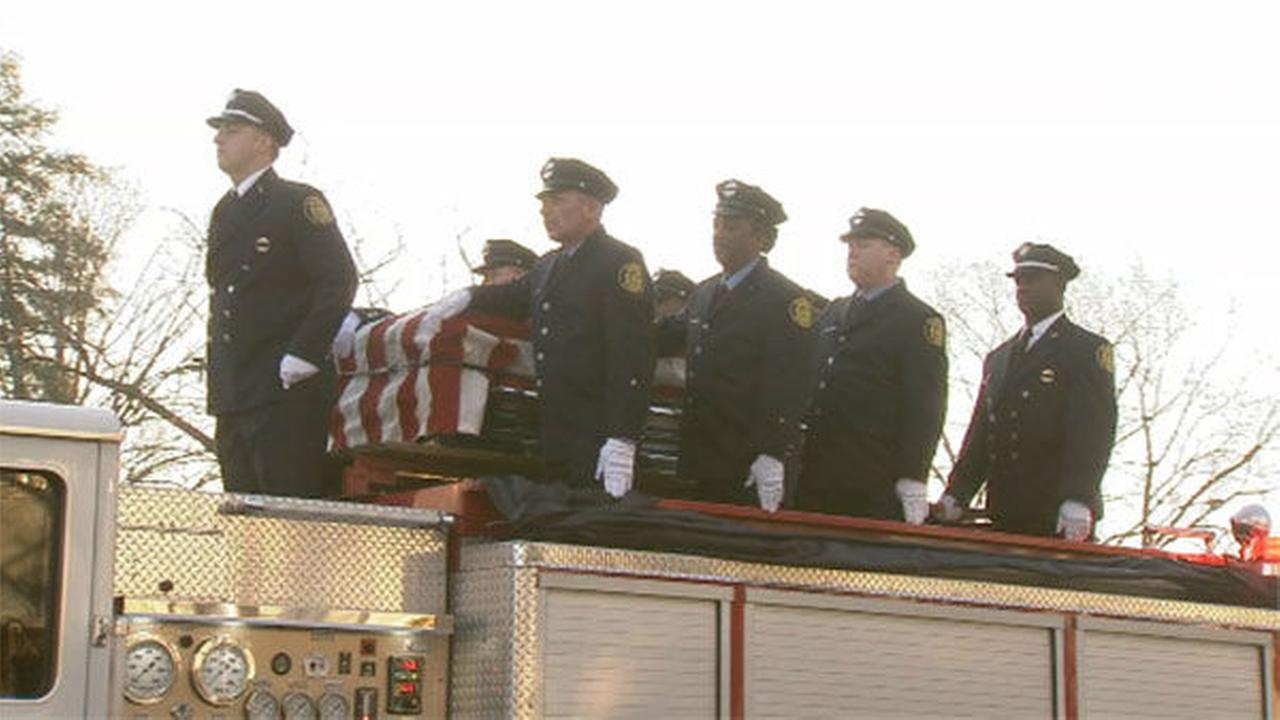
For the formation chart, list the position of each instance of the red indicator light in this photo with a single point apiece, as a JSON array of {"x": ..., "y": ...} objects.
[
  {"x": 408, "y": 689},
  {"x": 409, "y": 664}
]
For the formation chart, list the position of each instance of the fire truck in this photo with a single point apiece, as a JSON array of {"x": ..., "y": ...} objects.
[{"x": 444, "y": 583}]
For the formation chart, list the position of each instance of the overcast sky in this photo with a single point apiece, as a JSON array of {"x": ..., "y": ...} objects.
[{"x": 1117, "y": 130}]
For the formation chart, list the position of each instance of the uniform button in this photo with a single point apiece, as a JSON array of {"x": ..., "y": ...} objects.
[
  {"x": 1013, "y": 436},
  {"x": 697, "y": 350},
  {"x": 822, "y": 385},
  {"x": 546, "y": 306},
  {"x": 706, "y": 325},
  {"x": 541, "y": 355},
  {"x": 634, "y": 382},
  {"x": 1026, "y": 394},
  {"x": 245, "y": 267},
  {"x": 1013, "y": 455},
  {"x": 231, "y": 289},
  {"x": 842, "y": 338},
  {"x": 1013, "y": 414},
  {"x": 226, "y": 313},
  {"x": 831, "y": 360},
  {"x": 545, "y": 331},
  {"x": 226, "y": 337},
  {"x": 991, "y": 417},
  {"x": 537, "y": 383}
]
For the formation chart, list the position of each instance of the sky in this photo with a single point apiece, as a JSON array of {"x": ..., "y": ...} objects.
[{"x": 1119, "y": 131}]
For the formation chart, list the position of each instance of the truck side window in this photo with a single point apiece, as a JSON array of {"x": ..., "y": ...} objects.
[{"x": 32, "y": 506}]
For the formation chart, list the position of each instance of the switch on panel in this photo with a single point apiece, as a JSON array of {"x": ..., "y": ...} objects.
[{"x": 404, "y": 684}]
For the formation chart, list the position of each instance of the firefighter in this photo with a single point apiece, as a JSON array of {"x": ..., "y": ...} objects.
[
  {"x": 505, "y": 261},
  {"x": 746, "y": 334},
  {"x": 880, "y": 387},
  {"x": 591, "y": 305},
  {"x": 671, "y": 289},
  {"x": 281, "y": 279},
  {"x": 1045, "y": 418}
]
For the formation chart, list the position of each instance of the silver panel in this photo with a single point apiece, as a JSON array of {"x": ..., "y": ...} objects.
[
  {"x": 964, "y": 592},
  {"x": 495, "y": 652},
  {"x": 290, "y": 552}
]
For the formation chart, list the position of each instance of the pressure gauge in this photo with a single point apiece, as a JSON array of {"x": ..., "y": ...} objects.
[
  {"x": 261, "y": 705},
  {"x": 298, "y": 707},
  {"x": 221, "y": 670},
  {"x": 151, "y": 667},
  {"x": 334, "y": 707}
]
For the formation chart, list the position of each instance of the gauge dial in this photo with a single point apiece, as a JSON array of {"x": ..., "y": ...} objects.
[
  {"x": 334, "y": 707},
  {"x": 151, "y": 667},
  {"x": 262, "y": 705},
  {"x": 221, "y": 670},
  {"x": 298, "y": 707}
]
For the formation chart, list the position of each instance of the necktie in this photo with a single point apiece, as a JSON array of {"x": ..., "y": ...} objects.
[
  {"x": 717, "y": 296},
  {"x": 1020, "y": 347}
]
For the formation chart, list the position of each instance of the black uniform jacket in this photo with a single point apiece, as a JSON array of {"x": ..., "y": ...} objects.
[
  {"x": 1042, "y": 430},
  {"x": 879, "y": 399},
  {"x": 593, "y": 342},
  {"x": 748, "y": 358},
  {"x": 281, "y": 280}
]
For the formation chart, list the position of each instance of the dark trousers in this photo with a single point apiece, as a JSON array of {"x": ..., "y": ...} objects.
[
  {"x": 276, "y": 449},
  {"x": 571, "y": 459}
]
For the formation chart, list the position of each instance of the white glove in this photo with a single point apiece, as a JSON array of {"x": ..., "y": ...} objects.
[
  {"x": 1075, "y": 521},
  {"x": 294, "y": 370},
  {"x": 948, "y": 509},
  {"x": 766, "y": 474},
  {"x": 616, "y": 466},
  {"x": 344, "y": 343},
  {"x": 450, "y": 305},
  {"x": 915, "y": 500}
]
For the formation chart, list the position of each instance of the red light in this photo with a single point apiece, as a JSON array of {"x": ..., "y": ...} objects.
[
  {"x": 409, "y": 664},
  {"x": 408, "y": 689}
]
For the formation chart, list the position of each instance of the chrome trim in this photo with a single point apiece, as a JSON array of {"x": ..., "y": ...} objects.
[{"x": 276, "y": 616}]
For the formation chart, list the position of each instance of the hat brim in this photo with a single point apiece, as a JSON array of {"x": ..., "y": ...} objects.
[{"x": 217, "y": 121}]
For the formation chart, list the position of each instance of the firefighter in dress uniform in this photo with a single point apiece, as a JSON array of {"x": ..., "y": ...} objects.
[
  {"x": 671, "y": 291},
  {"x": 880, "y": 386},
  {"x": 281, "y": 279},
  {"x": 747, "y": 337},
  {"x": 1045, "y": 418},
  {"x": 505, "y": 261},
  {"x": 591, "y": 305}
]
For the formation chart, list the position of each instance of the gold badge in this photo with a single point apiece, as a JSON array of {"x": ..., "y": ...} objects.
[
  {"x": 935, "y": 333},
  {"x": 631, "y": 278},
  {"x": 1106, "y": 357},
  {"x": 317, "y": 210},
  {"x": 1047, "y": 376},
  {"x": 801, "y": 311},
  {"x": 263, "y": 244}
]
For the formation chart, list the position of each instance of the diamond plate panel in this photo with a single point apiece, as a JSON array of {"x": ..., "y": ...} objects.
[
  {"x": 495, "y": 672},
  {"x": 179, "y": 539},
  {"x": 688, "y": 567}
]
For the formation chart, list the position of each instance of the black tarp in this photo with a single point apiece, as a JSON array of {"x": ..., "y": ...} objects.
[{"x": 552, "y": 513}]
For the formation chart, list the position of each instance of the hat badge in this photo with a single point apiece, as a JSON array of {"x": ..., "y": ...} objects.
[
  {"x": 548, "y": 170},
  {"x": 729, "y": 189}
]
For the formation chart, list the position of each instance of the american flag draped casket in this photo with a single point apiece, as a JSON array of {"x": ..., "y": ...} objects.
[{"x": 407, "y": 380}]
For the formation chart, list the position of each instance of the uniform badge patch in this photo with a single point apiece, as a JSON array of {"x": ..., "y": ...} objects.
[
  {"x": 317, "y": 210},
  {"x": 1047, "y": 376},
  {"x": 262, "y": 244},
  {"x": 801, "y": 312},
  {"x": 1106, "y": 357},
  {"x": 935, "y": 333},
  {"x": 631, "y": 278}
]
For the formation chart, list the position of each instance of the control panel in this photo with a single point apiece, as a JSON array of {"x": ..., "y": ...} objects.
[{"x": 192, "y": 668}]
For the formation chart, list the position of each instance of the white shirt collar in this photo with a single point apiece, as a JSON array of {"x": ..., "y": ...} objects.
[
  {"x": 248, "y": 182},
  {"x": 1039, "y": 329},
  {"x": 731, "y": 281}
]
